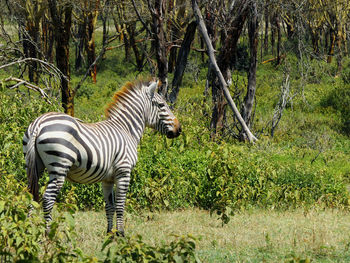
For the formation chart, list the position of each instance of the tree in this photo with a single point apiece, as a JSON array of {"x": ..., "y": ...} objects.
[
  {"x": 61, "y": 14},
  {"x": 236, "y": 17},
  {"x": 157, "y": 10},
  {"x": 203, "y": 30},
  {"x": 253, "y": 23},
  {"x": 182, "y": 60}
]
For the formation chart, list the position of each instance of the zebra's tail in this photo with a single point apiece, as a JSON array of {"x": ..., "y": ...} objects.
[{"x": 33, "y": 174}]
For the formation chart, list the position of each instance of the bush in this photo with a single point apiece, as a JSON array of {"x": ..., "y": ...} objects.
[
  {"x": 223, "y": 178},
  {"x": 23, "y": 238},
  {"x": 346, "y": 74},
  {"x": 236, "y": 180},
  {"x": 16, "y": 113},
  {"x": 182, "y": 249},
  {"x": 339, "y": 99}
]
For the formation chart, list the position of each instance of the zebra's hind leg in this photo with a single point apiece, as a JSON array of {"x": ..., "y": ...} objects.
[
  {"x": 49, "y": 198},
  {"x": 122, "y": 189},
  {"x": 108, "y": 194}
]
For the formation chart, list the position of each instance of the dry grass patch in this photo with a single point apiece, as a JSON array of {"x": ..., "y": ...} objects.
[{"x": 250, "y": 236}]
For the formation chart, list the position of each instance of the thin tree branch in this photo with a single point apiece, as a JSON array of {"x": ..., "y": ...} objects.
[
  {"x": 140, "y": 18},
  {"x": 100, "y": 55},
  {"x": 49, "y": 65},
  {"x": 29, "y": 86}
]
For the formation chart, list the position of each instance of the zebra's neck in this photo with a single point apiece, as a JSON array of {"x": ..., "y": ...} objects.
[{"x": 127, "y": 113}]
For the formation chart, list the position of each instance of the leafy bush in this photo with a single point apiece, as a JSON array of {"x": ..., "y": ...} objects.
[
  {"x": 23, "y": 238},
  {"x": 186, "y": 172},
  {"x": 16, "y": 113},
  {"x": 223, "y": 178},
  {"x": 182, "y": 249},
  {"x": 339, "y": 99},
  {"x": 345, "y": 74}
]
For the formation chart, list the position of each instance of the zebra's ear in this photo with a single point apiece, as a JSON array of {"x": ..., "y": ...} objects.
[{"x": 152, "y": 89}]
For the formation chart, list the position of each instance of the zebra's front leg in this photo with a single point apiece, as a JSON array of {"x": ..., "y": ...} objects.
[
  {"x": 110, "y": 204},
  {"x": 49, "y": 198},
  {"x": 122, "y": 189}
]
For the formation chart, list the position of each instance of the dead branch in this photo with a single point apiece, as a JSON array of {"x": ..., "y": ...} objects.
[
  {"x": 29, "y": 86},
  {"x": 24, "y": 60},
  {"x": 195, "y": 49},
  {"x": 100, "y": 55},
  {"x": 140, "y": 18},
  {"x": 273, "y": 59}
]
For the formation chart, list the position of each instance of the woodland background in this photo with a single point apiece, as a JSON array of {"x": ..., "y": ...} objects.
[{"x": 283, "y": 197}]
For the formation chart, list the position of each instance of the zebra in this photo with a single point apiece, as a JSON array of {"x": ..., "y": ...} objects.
[{"x": 103, "y": 152}]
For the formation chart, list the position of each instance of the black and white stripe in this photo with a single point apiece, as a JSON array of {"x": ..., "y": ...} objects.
[{"x": 96, "y": 152}]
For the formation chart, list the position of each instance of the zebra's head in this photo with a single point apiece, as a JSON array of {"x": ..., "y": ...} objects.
[{"x": 160, "y": 116}]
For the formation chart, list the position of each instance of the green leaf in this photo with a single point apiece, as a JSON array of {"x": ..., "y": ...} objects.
[{"x": 106, "y": 243}]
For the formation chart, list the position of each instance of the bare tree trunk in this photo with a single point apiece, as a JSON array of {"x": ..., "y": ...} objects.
[
  {"x": 127, "y": 48},
  {"x": 157, "y": 12},
  {"x": 79, "y": 49},
  {"x": 62, "y": 23},
  {"x": 273, "y": 35},
  {"x": 47, "y": 39},
  {"x": 90, "y": 48},
  {"x": 139, "y": 55},
  {"x": 278, "y": 28},
  {"x": 30, "y": 34},
  {"x": 173, "y": 35},
  {"x": 332, "y": 42},
  {"x": 182, "y": 60},
  {"x": 90, "y": 40},
  {"x": 315, "y": 38},
  {"x": 219, "y": 110},
  {"x": 253, "y": 47},
  {"x": 339, "y": 53},
  {"x": 266, "y": 35}
]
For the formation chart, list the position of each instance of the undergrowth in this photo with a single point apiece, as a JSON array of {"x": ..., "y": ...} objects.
[{"x": 305, "y": 164}]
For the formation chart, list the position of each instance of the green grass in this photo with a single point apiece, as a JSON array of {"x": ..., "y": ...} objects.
[{"x": 255, "y": 235}]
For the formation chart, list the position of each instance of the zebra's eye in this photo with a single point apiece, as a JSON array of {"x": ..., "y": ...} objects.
[{"x": 158, "y": 104}]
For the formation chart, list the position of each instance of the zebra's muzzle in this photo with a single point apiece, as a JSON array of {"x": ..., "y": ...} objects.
[{"x": 175, "y": 132}]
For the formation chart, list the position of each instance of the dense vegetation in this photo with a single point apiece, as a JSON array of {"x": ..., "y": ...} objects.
[
  {"x": 304, "y": 165},
  {"x": 301, "y": 163}
]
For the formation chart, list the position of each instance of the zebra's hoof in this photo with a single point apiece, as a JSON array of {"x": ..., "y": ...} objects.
[{"x": 120, "y": 234}]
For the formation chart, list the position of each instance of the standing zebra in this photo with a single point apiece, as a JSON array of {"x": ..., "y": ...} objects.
[{"x": 104, "y": 152}]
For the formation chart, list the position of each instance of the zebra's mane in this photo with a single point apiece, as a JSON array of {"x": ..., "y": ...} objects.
[{"x": 128, "y": 88}]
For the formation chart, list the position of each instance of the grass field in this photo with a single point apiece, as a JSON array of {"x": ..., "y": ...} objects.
[{"x": 251, "y": 235}]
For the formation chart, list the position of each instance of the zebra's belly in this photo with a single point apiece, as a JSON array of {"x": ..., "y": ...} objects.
[{"x": 81, "y": 175}]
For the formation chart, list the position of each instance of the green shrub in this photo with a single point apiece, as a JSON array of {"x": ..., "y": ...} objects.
[
  {"x": 23, "y": 238},
  {"x": 339, "y": 99},
  {"x": 17, "y": 111},
  {"x": 223, "y": 178},
  {"x": 189, "y": 171},
  {"x": 182, "y": 249},
  {"x": 345, "y": 74}
]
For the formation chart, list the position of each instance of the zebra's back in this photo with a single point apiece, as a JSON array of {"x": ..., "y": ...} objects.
[{"x": 85, "y": 153}]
